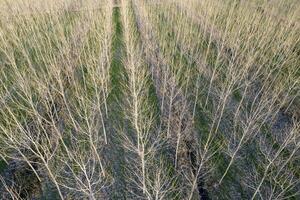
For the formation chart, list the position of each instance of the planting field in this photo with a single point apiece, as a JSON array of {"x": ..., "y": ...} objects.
[{"x": 148, "y": 99}]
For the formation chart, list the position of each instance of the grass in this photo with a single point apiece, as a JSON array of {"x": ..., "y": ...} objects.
[
  {"x": 117, "y": 72},
  {"x": 129, "y": 99},
  {"x": 3, "y": 166}
]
